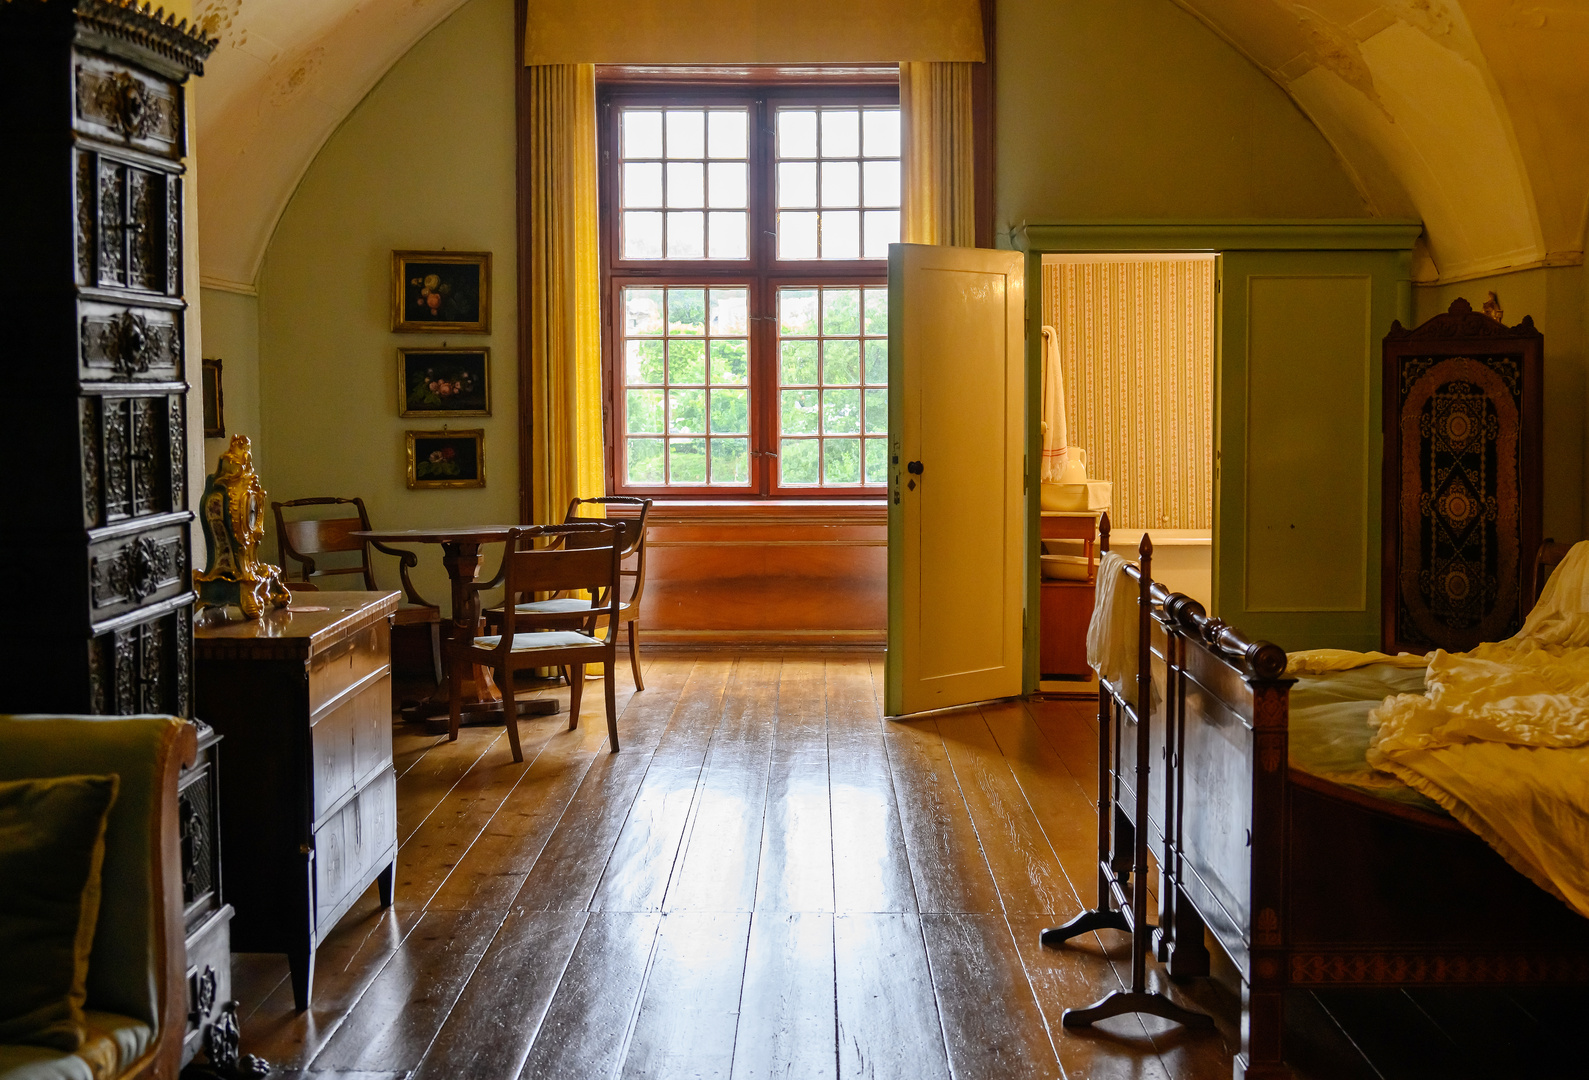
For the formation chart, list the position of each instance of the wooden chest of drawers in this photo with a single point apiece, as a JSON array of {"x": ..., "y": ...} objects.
[{"x": 308, "y": 795}]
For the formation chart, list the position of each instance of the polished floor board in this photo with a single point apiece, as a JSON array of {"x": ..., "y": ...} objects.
[{"x": 771, "y": 881}]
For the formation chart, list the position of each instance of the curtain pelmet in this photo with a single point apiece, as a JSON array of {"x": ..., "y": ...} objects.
[{"x": 565, "y": 421}]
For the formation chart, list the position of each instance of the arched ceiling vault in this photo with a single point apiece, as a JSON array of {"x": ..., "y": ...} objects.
[
  {"x": 285, "y": 74},
  {"x": 1469, "y": 114}
]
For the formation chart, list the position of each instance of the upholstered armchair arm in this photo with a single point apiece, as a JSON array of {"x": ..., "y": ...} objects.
[{"x": 405, "y": 559}]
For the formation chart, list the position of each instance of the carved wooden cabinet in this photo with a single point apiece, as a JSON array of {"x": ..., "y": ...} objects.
[
  {"x": 308, "y": 794},
  {"x": 1463, "y": 480},
  {"x": 206, "y": 915},
  {"x": 96, "y": 601},
  {"x": 95, "y": 598}
]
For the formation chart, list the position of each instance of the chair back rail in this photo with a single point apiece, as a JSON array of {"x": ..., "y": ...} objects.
[
  {"x": 585, "y": 555},
  {"x": 300, "y": 540},
  {"x": 311, "y": 537},
  {"x": 634, "y": 549}
]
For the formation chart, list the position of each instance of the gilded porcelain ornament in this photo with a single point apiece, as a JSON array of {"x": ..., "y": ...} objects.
[{"x": 232, "y": 513}]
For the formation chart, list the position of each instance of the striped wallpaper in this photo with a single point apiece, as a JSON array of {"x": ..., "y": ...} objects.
[{"x": 1137, "y": 338}]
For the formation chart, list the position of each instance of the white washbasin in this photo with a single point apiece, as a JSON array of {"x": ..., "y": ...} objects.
[
  {"x": 1091, "y": 495},
  {"x": 1066, "y": 567}
]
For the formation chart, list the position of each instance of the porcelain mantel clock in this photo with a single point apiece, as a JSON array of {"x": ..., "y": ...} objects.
[{"x": 232, "y": 513}]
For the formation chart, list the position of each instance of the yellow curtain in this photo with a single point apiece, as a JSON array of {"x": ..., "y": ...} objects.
[
  {"x": 1137, "y": 345},
  {"x": 565, "y": 422},
  {"x": 939, "y": 163}
]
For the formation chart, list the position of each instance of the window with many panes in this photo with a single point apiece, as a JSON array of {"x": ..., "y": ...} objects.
[{"x": 745, "y": 242}]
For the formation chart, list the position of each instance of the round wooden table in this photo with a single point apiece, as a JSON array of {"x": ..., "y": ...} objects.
[{"x": 460, "y": 554}]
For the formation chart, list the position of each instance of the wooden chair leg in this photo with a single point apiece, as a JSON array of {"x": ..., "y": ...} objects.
[
  {"x": 634, "y": 655},
  {"x": 435, "y": 649},
  {"x": 454, "y": 700},
  {"x": 576, "y": 687},
  {"x": 609, "y": 680},
  {"x": 510, "y": 710}
]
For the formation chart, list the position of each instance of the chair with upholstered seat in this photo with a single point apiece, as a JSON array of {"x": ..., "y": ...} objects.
[
  {"x": 564, "y": 612},
  {"x": 309, "y": 541},
  {"x": 586, "y": 555}
]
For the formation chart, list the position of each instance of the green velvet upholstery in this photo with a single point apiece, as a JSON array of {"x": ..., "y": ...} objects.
[
  {"x": 52, "y": 842},
  {"x": 124, "y": 963}
]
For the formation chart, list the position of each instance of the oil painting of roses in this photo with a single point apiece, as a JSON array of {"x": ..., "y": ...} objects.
[
  {"x": 441, "y": 291},
  {"x": 446, "y": 459},
  {"x": 444, "y": 382}
]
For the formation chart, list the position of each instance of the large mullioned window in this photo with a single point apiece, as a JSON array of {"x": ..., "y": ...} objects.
[{"x": 745, "y": 246}]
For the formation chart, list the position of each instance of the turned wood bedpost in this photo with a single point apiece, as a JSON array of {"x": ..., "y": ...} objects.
[
  {"x": 1143, "y": 770},
  {"x": 1262, "y": 1053}
]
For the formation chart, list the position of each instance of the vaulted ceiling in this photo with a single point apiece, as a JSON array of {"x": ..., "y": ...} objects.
[
  {"x": 1469, "y": 114},
  {"x": 285, "y": 74}
]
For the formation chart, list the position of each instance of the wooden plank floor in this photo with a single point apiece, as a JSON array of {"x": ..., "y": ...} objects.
[{"x": 770, "y": 880}]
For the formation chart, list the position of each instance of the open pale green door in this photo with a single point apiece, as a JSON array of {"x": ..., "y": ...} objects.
[
  {"x": 1296, "y": 555},
  {"x": 956, "y": 501}
]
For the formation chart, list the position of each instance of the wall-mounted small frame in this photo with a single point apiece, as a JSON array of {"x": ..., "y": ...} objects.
[
  {"x": 446, "y": 459},
  {"x": 443, "y": 382},
  {"x": 213, "y": 399},
  {"x": 441, "y": 292}
]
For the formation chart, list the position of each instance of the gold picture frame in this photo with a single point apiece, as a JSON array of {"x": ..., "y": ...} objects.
[
  {"x": 446, "y": 458},
  {"x": 212, "y": 398},
  {"x": 443, "y": 382},
  {"x": 441, "y": 292}
]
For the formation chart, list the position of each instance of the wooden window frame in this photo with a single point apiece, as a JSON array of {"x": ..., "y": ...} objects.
[{"x": 762, "y": 273}]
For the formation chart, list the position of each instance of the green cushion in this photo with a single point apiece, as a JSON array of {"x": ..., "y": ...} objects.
[
  {"x": 121, "y": 974},
  {"x": 52, "y": 846},
  {"x": 38, "y": 1063},
  {"x": 114, "y": 1044}
]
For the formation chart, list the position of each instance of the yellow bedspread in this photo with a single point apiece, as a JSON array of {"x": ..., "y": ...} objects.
[{"x": 1501, "y": 738}]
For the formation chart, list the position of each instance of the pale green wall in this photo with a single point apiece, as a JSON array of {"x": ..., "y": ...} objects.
[
  {"x": 426, "y": 161},
  {"x": 1133, "y": 109},
  {"x": 1555, "y": 297},
  {"x": 231, "y": 332}
]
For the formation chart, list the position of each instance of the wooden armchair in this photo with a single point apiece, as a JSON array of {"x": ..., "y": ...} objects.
[
  {"x": 1550, "y": 556},
  {"x": 308, "y": 541},
  {"x": 565, "y": 612},
  {"x": 587, "y": 556}
]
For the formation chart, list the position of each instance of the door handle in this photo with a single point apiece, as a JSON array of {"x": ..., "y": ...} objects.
[{"x": 914, "y": 468}]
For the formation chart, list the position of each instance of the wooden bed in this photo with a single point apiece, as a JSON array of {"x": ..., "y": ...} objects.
[{"x": 1304, "y": 883}]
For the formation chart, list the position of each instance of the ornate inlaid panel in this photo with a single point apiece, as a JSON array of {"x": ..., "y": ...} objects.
[
  {"x": 1462, "y": 505},
  {"x": 125, "y": 344},
  {"x": 120, "y": 104},
  {"x": 134, "y": 457},
  {"x": 129, "y": 225},
  {"x": 145, "y": 667},
  {"x": 128, "y": 571}
]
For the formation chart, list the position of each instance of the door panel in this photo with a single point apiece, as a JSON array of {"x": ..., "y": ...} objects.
[
  {"x": 1296, "y": 540},
  {"x": 957, "y": 526}
]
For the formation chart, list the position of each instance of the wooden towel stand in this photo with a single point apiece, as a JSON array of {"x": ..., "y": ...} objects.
[{"x": 1122, "y": 886}]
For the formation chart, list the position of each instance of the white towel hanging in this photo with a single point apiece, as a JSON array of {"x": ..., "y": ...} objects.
[{"x": 1056, "y": 437}]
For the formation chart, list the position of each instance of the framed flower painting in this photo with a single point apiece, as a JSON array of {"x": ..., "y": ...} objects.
[
  {"x": 444, "y": 382},
  {"x": 441, "y": 292},
  {"x": 446, "y": 459}
]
